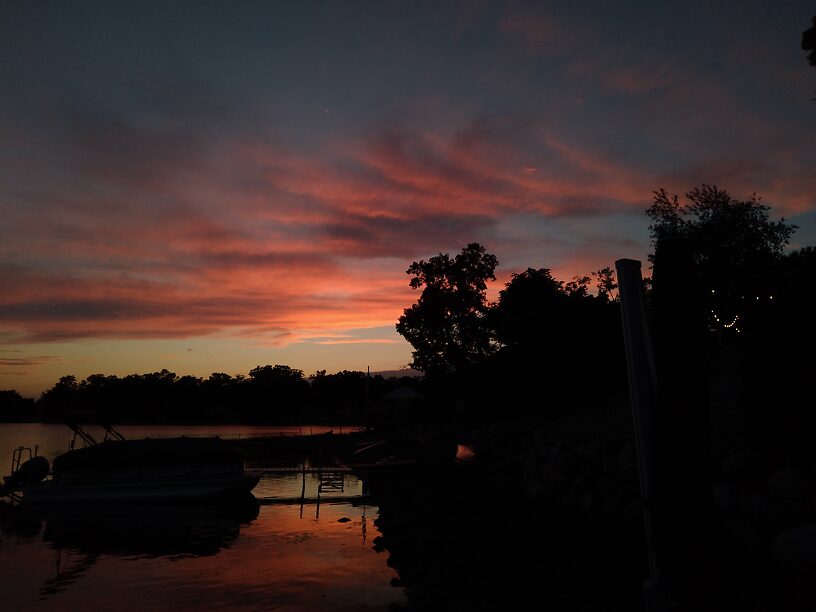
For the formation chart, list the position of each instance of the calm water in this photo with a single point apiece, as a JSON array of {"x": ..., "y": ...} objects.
[{"x": 279, "y": 554}]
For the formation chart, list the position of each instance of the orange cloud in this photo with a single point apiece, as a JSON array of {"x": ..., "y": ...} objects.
[{"x": 289, "y": 247}]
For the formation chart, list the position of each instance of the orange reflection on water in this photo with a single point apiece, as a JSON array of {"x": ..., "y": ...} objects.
[
  {"x": 465, "y": 454},
  {"x": 287, "y": 562},
  {"x": 287, "y": 558}
]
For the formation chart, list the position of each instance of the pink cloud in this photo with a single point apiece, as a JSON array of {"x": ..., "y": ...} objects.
[{"x": 288, "y": 247}]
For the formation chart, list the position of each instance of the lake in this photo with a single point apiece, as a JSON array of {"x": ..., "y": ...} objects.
[{"x": 270, "y": 554}]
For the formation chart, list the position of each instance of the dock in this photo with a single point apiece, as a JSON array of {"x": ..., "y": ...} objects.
[
  {"x": 264, "y": 471},
  {"x": 300, "y": 501}
]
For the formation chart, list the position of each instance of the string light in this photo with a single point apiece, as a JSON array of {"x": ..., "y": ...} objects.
[{"x": 719, "y": 323}]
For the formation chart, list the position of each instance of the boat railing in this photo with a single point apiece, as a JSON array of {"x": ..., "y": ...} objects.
[
  {"x": 87, "y": 439},
  {"x": 17, "y": 456},
  {"x": 111, "y": 433},
  {"x": 8, "y": 485}
]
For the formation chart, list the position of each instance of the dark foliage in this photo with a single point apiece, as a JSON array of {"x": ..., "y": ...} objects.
[
  {"x": 446, "y": 326},
  {"x": 734, "y": 246},
  {"x": 779, "y": 361},
  {"x": 270, "y": 394},
  {"x": 809, "y": 42},
  {"x": 534, "y": 350},
  {"x": 14, "y": 407},
  {"x": 743, "y": 301},
  {"x": 560, "y": 345}
]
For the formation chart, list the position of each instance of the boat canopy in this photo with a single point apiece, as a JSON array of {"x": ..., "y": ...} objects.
[{"x": 131, "y": 453}]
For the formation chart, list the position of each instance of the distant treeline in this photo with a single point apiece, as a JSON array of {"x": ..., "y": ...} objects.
[{"x": 269, "y": 394}]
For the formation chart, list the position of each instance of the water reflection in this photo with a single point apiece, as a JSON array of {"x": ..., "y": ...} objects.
[
  {"x": 149, "y": 530},
  {"x": 302, "y": 544},
  {"x": 69, "y": 570},
  {"x": 134, "y": 531},
  {"x": 146, "y": 530}
]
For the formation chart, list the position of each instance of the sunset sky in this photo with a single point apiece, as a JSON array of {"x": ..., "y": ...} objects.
[{"x": 209, "y": 186}]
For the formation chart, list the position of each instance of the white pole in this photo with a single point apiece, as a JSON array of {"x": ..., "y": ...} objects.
[{"x": 642, "y": 392}]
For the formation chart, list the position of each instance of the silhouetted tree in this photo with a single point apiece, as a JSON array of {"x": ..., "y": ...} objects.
[
  {"x": 341, "y": 392},
  {"x": 60, "y": 400},
  {"x": 554, "y": 337},
  {"x": 578, "y": 287},
  {"x": 15, "y": 407},
  {"x": 270, "y": 394},
  {"x": 530, "y": 298},
  {"x": 446, "y": 326},
  {"x": 278, "y": 390},
  {"x": 606, "y": 284},
  {"x": 735, "y": 247},
  {"x": 809, "y": 42},
  {"x": 778, "y": 362}
]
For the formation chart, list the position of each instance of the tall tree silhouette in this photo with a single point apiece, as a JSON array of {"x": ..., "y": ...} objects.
[
  {"x": 735, "y": 246},
  {"x": 556, "y": 337},
  {"x": 446, "y": 325},
  {"x": 809, "y": 42},
  {"x": 528, "y": 304}
]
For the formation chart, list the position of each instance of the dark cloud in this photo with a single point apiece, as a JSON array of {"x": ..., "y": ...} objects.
[
  {"x": 28, "y": 361},
  {"x": 372, "y": 236}
]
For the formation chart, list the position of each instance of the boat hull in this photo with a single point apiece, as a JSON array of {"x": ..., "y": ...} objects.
[{"x": 145, "y": 490}]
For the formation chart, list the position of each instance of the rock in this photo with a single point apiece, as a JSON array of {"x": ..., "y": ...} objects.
[
  {"x": 725, "y": 498},
  {"x": 632, "y": 511},
  {"x": 581, "y": 485},
  {"x": 539, "y": 456},
  {"x": 540, "y": 492},
  {"x": 378, "y": 544},
  {"x": 795, "y": 549},
  {"x": 605, "y": 485},
  {"x": 549, "y": 474},
  {"x": 567, "y": 459},
  {"x": 613, "y": 504},
  {"x": 586, "y": 504},
  {"x": 790, "y": 512},
  {"x": 788, "y": 484},
  {"x": 553, "y": 450},
  {"x": 588, "y": 449},
  {"x": 752, "y": 481},
  {"x": 745, "y": 538},
  {"x": 630, "y": 480},
  {"x": 345, "y": 519},
  {"x": 610, "y": 463},
  {"x": 736, "y": 465},
  {"x": 753, "y": 505},
  {"x": 627, "y": 455},
  {"x": 569, "y": 501}
]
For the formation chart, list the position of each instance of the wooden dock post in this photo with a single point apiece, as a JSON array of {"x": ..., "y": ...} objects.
[{"x": 643, "y": 398}]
